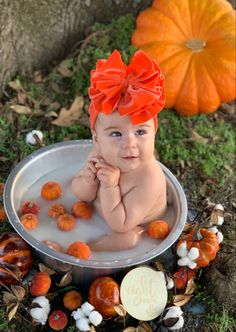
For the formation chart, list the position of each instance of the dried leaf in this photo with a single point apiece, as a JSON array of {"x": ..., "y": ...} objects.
[
  {"x": 92, "y": 329},
  {"x": 20, "y": 109},
  {"x": 181, "y": 299},
  {"x": 65, "y": 280},
  {"x": 63, "y": 68},
  {"x": 2, "y": 185},
  {"x": 119, "y": 308},
  {"x": 144, "y": 327},
  {"x": 68, "y": 117},
  {"x": 44, "y": 268},
  {"x": 169, "y": 322},
  {"x": 196, "y": 137},
  {"x": 51, "y": 296},
  {"x": 190, "y": 288},
  {"x": 16, "y": 85},
  {"x": 13, "y": 270},
  {"x": 12, "y": 310},
  {"x": 159, "y": 266},
  {"x": 130, "y": 329},
  {"x": 9, "y": 298},
  {"x": 18, "y": 291}
]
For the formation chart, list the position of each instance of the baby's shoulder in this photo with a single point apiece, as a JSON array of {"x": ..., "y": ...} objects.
[{"x": 153, "y": 176}]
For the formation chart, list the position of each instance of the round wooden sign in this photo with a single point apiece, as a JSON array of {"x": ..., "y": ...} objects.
[{"x": 143, "y": 293}]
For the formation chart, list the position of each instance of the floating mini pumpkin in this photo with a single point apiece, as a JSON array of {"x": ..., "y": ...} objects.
[
  {"x": 51, "y": 190},
  {"x": 15, "y": 256},
  {"x": 66, "y": 222},
  {"x": 82, "y": 210},
  {"x": 79, "y": 249},
  {"x": 205, "y": 241},
  {"x": 158, "y": 229},
  {"x": 194, "y": 44},
  {"x": 29, "y": 221},
  {"x": 56, "y": 210},
  {"x": 104, "y": 294},
  {"x": 30, "y": 207}
]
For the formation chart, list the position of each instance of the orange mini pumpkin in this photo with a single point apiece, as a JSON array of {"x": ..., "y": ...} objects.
[
  {"x": 66, "y": 222},
  {"x": 53, "y": 245},
  {"x": 57, "y": 320},
  {"x": 15, "y": 256},
  {"x": 56, "y": 210},
  {"x": 194, "y": 44},
  {"x": 29, "y": 221},
  {"x": 3, "y": 215},
  {"x": 51, "y": 191},
  {"x": 79, "y": 249},
  {"x": 82, "y": 210},
  {"x": 72, "y": 300},
  {"x": 207, "y": 243},
  {"x": 158, "y": 229},
  {"x": 104, "y": 294},
  {"x": 40, "y": 284}
]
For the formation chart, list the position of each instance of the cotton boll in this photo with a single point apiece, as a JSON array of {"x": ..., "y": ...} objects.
[
  {"x": 174, "y": 312},
  {"x": 182, "y": 249},
  {"x": 192, "y": 265},
  {"x": 184, "y": 261},
  {"x": 83, "y": 324},
  {"x": 220, "y": 220},
  {"x": 39, "y": 315},
  {"x": 193, "y": 253},
  {"x": 77, "y": 314},
  {"x": 87, "y": 308},
  {"x": 220, "y": 237},
  {"x": 95, "y": 318},
  {"x": 213, "y": 229},
  {"x": 170, "y": 282},
  {"x": 178, "y": 325},
  {"x": 30, "y": 137},
  {"x": 219, "y": 207}
]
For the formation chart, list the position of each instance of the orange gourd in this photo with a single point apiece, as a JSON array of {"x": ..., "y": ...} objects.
[
  {"x": 207, "y": 243},
  {"x": 79, "y": 249},
  {"x": 51, "y": 190},
  {"x": 40, "y": 284},
  {"x": 29, "y": 221},
  {"x": 66, "y": 222},
  {"x": 82, "y": 210},
  {"x": 72, "y": 300},
  {"x": 158, "y": 229},
  {"x": 194, "y": 43}
]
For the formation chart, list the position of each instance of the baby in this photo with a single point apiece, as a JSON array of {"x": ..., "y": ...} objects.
[{"x": 121, "y": 176}]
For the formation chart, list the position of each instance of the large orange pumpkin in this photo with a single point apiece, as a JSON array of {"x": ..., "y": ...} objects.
[
  {"x": 15, "y": 255},
  {"x": 207, "y": 243},
  {"x": 194, "y": 43}
]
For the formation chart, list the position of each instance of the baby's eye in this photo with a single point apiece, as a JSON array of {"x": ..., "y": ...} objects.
[
  {"x": 140, "y": 132},
  {"x": 115, "y": 134}
]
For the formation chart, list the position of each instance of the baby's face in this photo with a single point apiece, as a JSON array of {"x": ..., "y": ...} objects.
[{"x": 122, "y": 144}]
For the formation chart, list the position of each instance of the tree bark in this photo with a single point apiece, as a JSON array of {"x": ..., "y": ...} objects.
[{"x": 35, "y": 32}]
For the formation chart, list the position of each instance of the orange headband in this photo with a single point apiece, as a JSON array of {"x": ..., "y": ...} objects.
[{"x": 136, "y": 90}]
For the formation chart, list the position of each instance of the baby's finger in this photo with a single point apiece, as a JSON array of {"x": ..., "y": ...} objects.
[
  {"x": 103, "y": 164},
  {"x": 92, "y": 167}
]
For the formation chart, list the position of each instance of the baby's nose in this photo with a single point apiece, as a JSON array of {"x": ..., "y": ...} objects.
[{"x": 129, "y": 141}]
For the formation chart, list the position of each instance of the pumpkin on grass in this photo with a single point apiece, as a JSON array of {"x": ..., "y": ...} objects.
[
  {"x": 15, "y": 258},
  {"x": 206, "y": 242},
  {"x": 194, "y": 43}
]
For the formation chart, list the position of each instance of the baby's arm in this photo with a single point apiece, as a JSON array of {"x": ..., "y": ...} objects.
[
  {"x": 85, "y": 182},
  {"x": 124, "y": 213}
]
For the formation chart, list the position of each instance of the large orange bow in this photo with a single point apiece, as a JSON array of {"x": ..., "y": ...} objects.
[{"x": 136, "y": 90}]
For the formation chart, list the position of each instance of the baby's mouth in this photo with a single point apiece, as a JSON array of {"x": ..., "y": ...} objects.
[{"x": 130, "y": 157}]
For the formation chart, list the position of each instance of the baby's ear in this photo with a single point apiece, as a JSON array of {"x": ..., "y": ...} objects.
[{"x": 94, "y": 135}]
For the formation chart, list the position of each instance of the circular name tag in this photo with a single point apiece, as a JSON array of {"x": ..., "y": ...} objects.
[{"x": 143, "y": 293}]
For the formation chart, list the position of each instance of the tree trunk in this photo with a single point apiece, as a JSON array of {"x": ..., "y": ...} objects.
[{"x": 35, "y": 32}]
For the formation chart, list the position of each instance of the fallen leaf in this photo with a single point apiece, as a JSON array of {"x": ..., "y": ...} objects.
[
  {"x": 144, "y": 327},
  {"x": 169, "y": 322},
  {"x": 181, "y": 299},
  {"x": 18, "y": 291},
  {"x": 119, "y": 308},
  {"x": 2, "y": 185},
  {"x": 20, "y": 109},
  {"x": 63, "y": 68},
  {"x": 9, "y": 298},
  {"x": 130, "y": 329},
  {"x": 44, "y": 268},
  {"x": 159, "y": 266},
  {"x": 12, "y": 310},
  {"x": 69, "y": 116},
  {"x": 16, "y": 85},
  {"x": 65, "y": 280},
  {"x": 196, "y": 137},
  {"x": 190, "y": 288}
]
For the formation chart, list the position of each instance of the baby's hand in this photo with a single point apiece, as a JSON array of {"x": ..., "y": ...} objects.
[
  {"x": 90, "y": 169},
  {"x": 108, "y": 175}
]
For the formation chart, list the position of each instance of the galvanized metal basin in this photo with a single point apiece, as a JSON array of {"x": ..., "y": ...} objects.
[{"x": 60, "y": 162}]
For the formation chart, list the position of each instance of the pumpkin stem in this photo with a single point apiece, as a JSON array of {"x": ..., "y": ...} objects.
[
  {"x": 197, "y": 236},
  {"x": 196, "y": 45}
]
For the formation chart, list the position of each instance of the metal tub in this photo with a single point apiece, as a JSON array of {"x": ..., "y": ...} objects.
[{"x": 63, "y": 160}]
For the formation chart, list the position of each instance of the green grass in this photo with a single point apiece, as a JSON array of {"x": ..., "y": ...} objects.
[{"x": 224, "y": 321}]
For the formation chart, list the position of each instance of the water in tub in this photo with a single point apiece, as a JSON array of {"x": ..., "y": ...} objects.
[{"x": 85, "y": 230}]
